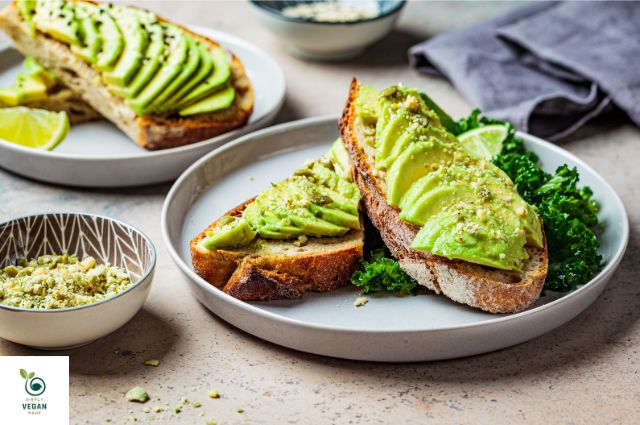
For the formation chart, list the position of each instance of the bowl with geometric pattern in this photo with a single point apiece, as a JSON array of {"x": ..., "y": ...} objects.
[{"x": 106, "y": 240}]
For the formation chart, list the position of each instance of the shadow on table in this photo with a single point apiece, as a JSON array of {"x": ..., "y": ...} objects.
[
  {"x": 145, "y": 337},
  {"x": 604, "y": 326},
  {"x": 390, "y": 51}
]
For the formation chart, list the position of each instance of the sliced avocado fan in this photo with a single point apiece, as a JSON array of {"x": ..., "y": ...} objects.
[
  {"x": 318, "y": 200},
  {"x": 156, "y": 67}
]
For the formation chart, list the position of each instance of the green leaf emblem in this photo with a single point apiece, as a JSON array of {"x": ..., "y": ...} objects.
[{"x": 23, "y": 373}]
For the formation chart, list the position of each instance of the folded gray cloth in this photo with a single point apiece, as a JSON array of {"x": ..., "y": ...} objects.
[{"x": 548, "y": 67}]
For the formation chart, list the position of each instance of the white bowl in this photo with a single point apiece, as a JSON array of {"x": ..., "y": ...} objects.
[
  {"x": 105, "y": 239},
  {"x": 328, "y": 40}
]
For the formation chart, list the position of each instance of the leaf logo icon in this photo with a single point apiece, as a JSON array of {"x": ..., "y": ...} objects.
[{"x": 33, "y": 385}]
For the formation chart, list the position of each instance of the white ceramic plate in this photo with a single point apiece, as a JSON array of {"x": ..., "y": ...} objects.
[
  {"x": 388, "y": 328},
  {"x": 97, "y": 154}
]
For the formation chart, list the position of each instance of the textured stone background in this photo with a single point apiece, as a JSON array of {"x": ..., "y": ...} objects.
[{"x": 584, "y": 372}]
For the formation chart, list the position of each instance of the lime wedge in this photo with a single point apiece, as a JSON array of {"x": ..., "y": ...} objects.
[
  {"x": 485, "y": 142},
  {"x": 33, "y": 128}
]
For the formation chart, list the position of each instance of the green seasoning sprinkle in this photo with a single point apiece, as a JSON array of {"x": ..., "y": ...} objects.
[
  {"x": 152, "y": 362},
  {"x": 214, "y": 394},
  {"x": 240, "y": 410},
  {"x": 137, "y": 394},
  {"x": 196, "y": 404},
  {"x": 59, "y": 281},
  {"x": 178, "y": 409}
]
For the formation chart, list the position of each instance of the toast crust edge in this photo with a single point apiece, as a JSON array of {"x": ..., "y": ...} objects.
[{"x": 252, "y": 277}]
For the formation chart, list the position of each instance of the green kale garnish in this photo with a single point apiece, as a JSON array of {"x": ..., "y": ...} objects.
[
  {"x": 569, "y": 213},
  {"x": 382, "y": 272}
]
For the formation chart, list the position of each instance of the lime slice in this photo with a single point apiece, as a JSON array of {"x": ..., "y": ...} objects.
[
  {"x": 485, "y": 142},
  {"x": 33, "y": 128}
]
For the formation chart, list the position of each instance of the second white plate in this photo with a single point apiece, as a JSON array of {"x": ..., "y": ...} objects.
[
  {"x": 388, "y": 328},
  {"x": 97, "y": 154}
]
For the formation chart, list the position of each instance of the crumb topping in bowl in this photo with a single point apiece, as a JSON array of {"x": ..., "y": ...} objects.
[
  {"x": 59, "y": 281},
  {"x": 330, "y": 11}
]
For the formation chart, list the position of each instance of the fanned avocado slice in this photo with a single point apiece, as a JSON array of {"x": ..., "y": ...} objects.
[
  {"x": 135, "y": 44},
  {"x": 26, "y": 88},
  {"x": 150, "y": 63},
  {"x": 188, "y": 70},
  {"x": 206, "y": 67},
  {"x": 172, "y": 62},
  {"x": 216, "y": 102},
  {"x": 111, "y": 37},
  {"x": 27, "y": 9},
  {"x": 34, "y": 69},
  {"x": 91, "y": 42},
  {"x": 415, "y": 162},
  {"x": 231, "y": 232},
  {"x": 217, "y": 79},
  {"x": 57, "y": 18},
  {"x": 336, "y": 216},
  {"x": 314, "y": 226}
]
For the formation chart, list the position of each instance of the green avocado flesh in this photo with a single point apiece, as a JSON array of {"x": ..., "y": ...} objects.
[
  {"x": 218, "y": 78},
  {"x": 187, "y": 71},
  {"x": 217, "y": 101},
  {"x": 157, "y": 68},
  {"x": 316, "y": 201},
  {"x": 91, "y": 42},
  {"x": 468, "y": 209},
  {"x": 229, "y": 232},
  {"x": 131, "y": 25},
  {"x": 29, "y": 86}
]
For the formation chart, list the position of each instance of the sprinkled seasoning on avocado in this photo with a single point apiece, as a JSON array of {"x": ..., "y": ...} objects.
[
  {"x": 468, "y": 208},
  {"x": 318, "y": 200}
]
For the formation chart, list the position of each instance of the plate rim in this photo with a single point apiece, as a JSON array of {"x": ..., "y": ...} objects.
[
  {"x": 179, "y": 149},
  {"x": 264, "y": 314}
]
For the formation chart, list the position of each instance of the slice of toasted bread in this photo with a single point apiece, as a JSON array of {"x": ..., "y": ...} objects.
[
  {"x": 63, "y": 99},
  {"x": 489, "y": 289},
  {"x": 270, "y": 269},
  {"x": 150, "y": 132}
]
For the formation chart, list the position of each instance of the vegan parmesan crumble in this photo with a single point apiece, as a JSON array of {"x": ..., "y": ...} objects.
[
  {"x": 330, "y": 11},
  {"x": 59, "y": 281}
]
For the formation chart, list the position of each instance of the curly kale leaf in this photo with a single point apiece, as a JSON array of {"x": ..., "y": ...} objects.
[
  {"x": 568, "y": 212},
  {"x": 382, "y": 272}
]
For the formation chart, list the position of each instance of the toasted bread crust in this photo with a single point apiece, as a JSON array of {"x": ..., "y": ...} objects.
[
  {"x": 150, "y": 132},
  {"x": 251, "y": 275},
  {"x": 489, "y": 289}
]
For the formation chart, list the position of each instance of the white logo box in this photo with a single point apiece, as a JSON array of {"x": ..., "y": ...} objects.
[{"x": 34, "y": 390}]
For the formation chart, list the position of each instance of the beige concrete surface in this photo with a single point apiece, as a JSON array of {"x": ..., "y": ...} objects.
[{"x": 585, "y": 372}]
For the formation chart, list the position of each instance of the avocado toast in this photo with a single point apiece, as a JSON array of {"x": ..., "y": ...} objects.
[
  {"x": 302, "y": 234},
  {"x": 161, "y": 84},
  {"x": 35, "y": 87},
  {"x": 507, "y": 272}
]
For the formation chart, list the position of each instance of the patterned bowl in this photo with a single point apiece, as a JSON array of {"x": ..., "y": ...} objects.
[
  {"x": 328, "y": 40},
  {"x": 103, "y": 238}
]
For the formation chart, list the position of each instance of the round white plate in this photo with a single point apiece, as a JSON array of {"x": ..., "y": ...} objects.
[
  {"x": 388, "y": 328},
  {"x": 98, "y": 154}
]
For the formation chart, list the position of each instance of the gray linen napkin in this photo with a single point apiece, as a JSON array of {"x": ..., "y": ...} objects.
[{"x": 548, "y": 67}]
